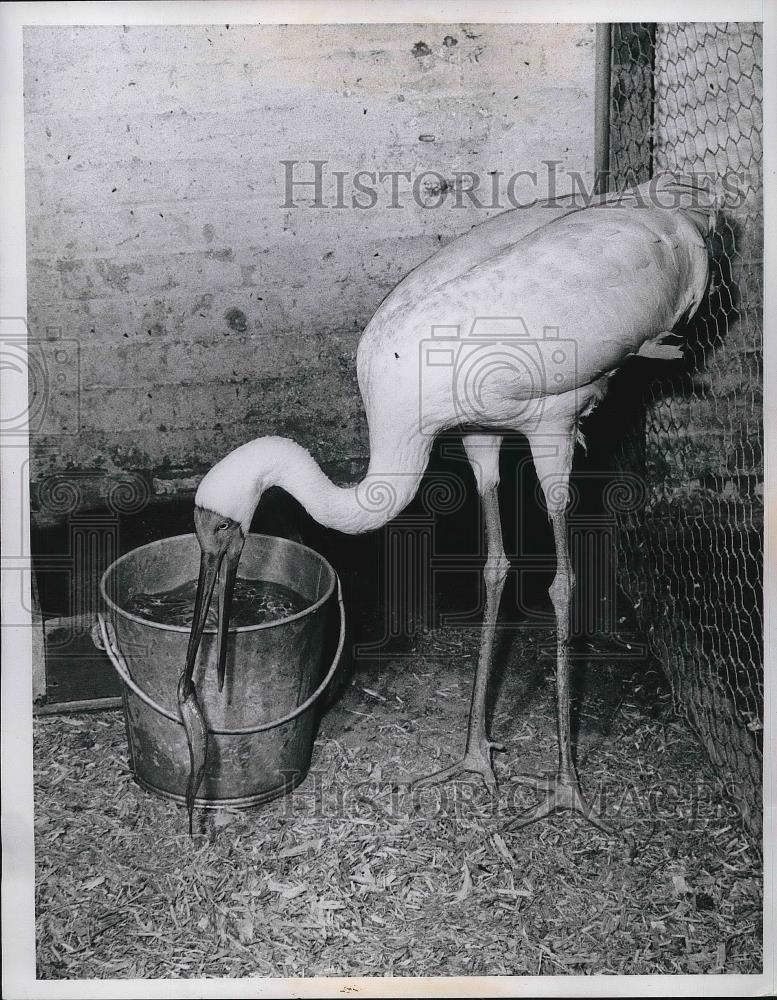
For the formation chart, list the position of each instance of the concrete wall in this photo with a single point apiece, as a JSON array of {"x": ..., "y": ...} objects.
[{"x": 204, "y": 311}]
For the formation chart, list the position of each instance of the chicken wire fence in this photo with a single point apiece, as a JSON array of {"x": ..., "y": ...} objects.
[{"x": 688, "y": 97}]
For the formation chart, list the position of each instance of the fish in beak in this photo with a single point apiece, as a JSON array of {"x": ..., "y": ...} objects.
[{"x": 221, "y": 544}]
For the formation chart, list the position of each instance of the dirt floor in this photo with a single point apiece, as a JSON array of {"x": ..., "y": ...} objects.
[{"x": 354, "y": 875}]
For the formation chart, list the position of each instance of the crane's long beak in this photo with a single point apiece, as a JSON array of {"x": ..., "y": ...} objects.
[
  {"x": 210, "y": 563},
  {"x": 221, "y": 546},
  {"x": 227, "y": 577}
]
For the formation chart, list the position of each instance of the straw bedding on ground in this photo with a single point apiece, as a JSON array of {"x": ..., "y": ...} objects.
[{"x": 354, "y": 875}]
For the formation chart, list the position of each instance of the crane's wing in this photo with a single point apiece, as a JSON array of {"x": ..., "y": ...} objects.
[
  {"x": 498, "y": 234},
  {"x": 551, "y": 311},
  {"x": 602, "y": 282}
]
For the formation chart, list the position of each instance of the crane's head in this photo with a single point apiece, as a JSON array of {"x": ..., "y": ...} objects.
[{"x": 224, "y": 505}]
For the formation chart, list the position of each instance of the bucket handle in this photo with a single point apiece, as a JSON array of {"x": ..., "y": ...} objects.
[{"x": 109, "y": 643}]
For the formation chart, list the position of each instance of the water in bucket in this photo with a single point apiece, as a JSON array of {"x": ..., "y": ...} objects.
[{"x": 253, "y": 602}]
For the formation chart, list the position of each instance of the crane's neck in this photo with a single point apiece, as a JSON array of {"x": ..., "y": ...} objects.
[
  {"x": 388, "y": 487},
  {"x": 234, "y": 486}
]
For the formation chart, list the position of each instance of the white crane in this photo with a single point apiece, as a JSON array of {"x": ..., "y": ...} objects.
[{"x": 515, "y": 326}]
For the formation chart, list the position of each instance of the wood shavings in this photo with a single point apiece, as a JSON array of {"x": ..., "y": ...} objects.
[{"x": 354, "y": 874}]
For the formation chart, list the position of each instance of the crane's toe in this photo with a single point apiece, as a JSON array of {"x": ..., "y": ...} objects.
[
  {"x": 476, "y": 760},
  {"x": 562, "y": 792}
]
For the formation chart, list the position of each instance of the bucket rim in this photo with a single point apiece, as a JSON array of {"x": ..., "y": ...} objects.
[{"x": 186, "y": 629}]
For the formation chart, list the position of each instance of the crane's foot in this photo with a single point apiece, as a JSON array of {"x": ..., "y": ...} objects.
[
  {"x": 561, "y": 792},
  {"x": 476, "y": 760}
]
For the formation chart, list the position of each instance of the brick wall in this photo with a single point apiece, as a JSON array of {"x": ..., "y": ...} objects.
[{"x": 206, "y": 311}]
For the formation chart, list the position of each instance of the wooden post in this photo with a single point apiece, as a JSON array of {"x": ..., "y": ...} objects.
[
  {"x": 38, "y": 643},
  {"x": 602, "y": 108}
]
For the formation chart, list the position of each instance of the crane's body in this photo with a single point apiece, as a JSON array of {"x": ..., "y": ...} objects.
[
  {"x": 515, "y": 326},
  {"x": 608, "y": 278}
]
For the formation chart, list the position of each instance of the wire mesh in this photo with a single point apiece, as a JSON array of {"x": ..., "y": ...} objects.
[{"x": 688, "y": 98}]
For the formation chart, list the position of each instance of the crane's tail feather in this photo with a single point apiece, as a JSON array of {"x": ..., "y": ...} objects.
[{"x": 699, "y": 197}]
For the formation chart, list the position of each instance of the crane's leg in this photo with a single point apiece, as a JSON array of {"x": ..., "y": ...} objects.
[
  {"x": 553, "y": 461},
  {"x": 483, "y": 453}
]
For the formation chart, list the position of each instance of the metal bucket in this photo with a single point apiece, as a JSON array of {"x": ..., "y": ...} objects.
[{"x": 262, "y": 725}]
